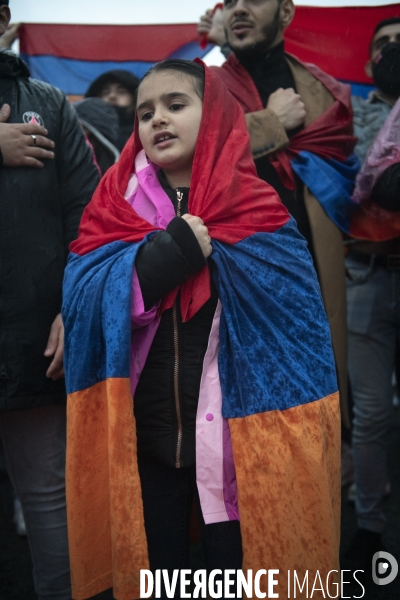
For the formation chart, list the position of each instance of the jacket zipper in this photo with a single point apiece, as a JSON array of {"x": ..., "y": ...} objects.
[{"x": 179, "y": 197}]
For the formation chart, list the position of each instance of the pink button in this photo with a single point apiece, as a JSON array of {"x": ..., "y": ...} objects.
[{"x": 209, "y": 417}]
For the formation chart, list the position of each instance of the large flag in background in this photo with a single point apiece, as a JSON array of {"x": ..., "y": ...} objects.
[{"x": 71, "y": 56}]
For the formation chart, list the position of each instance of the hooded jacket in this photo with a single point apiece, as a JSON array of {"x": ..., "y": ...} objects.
[
  {"x": 100, "y": 123},
  {"x": 126, "y": 115},
  {"x": 40, "y": 210}
]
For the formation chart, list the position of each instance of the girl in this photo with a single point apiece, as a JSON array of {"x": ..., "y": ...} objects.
[{"x": 203, "y": 304}]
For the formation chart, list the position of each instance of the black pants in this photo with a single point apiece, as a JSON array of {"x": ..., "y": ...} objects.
[{"x": 168, "y": 495}]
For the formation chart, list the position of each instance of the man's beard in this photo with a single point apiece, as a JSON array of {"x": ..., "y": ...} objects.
[{"x": 270, "y": 32}]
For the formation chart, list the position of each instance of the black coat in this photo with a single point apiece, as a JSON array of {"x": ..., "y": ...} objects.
[
  {"x": 40, "y": 210},
  {"x": 167, "y": 394}
]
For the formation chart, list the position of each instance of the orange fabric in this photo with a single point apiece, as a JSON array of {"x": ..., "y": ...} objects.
[
  {"x": 288, "y": 474},
  {"x": 107, "y": 538}
]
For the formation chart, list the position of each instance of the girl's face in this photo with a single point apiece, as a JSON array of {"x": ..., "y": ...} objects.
[{"x": 169, "y": 112}]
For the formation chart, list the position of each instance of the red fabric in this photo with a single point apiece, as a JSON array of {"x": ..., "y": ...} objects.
[
  {"x": 312, "y": 35},
  {"x": 329, "y": 136},
  {"x": 224, "y": 191},
  {"x": 98, "y": 43},
  {"x": 337, "y": 39}
]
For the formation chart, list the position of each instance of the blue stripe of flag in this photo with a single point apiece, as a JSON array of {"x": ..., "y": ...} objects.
[
  {"x": 275, "y": 346},
  {"x": 332, "y": 183},
  {"x": 74, "y": 76},
  {"x": 96, "y": 313}
]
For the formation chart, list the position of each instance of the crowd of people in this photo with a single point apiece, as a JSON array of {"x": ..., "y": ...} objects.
[{"x": 232, "y": 237}]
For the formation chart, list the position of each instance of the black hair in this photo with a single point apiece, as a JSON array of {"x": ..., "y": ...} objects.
[
  {"x": 3, "y": 2},
  {"x": 189, "y": 68},
  {"x": 385, "y": 23},
  {"x": 224, "y": 3},
  {"x": 124, "y": 78}
]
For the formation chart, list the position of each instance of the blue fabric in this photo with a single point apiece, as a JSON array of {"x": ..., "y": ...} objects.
[
  {"x": 96, "y": 313},
  {"x": 275, "y": 350},
  {"x": 74, "y": 76},
  {"x": 191, "y": 50},
  {"x": 332, "y": 183},
  {"x": 359, "y": 89}
]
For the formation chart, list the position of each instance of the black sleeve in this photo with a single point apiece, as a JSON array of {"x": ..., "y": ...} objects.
[
  {"x": 167, "y": 261},
  {"x": 386, "y": 191},
  {"x": 77, "y": 173}
]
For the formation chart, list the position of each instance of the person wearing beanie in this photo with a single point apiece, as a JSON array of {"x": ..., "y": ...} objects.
[{"x": 117, "y": 88}]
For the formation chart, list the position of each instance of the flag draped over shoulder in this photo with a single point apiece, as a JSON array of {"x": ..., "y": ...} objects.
[
  {"x": 275, "y": 365},
  {"x": 320, "y": 154}
]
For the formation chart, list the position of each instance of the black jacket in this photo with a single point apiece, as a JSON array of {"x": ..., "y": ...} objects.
[
  {"x": 100, "y": 123},
  {"x": 40, "y": 210},
  {"x": 167, "y": 394},
  {"x": 386, "y": 191}
]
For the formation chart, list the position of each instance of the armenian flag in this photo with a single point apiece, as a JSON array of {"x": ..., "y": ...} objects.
[
  {"x": 72, "y": 56},
  {"x": 270, "y": 457}
]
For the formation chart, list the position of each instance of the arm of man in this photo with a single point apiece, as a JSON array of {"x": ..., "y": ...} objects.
[
  {"x": 211, "y": 26},
  {"x": 205, "y": 23},
  {"x": 78, "y": 176},
  {"x": 9, "y": 37},
  {"x": 268, "y": 127},
  {"x": 171, "y": 257},
  {"x": 77, "y": 180}
]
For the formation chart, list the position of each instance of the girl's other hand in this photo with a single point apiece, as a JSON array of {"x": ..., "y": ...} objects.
[{"x": 201, "y": 232}]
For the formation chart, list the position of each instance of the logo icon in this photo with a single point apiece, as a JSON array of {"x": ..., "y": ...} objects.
[
  {"x": 32, "y": 117},
  {"x": 384, "y": 568}
]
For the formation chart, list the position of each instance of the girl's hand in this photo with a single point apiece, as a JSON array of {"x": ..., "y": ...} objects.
[{"x": 201, "y": 232}]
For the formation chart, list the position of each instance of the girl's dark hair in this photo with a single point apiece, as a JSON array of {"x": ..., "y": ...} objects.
[{"x": 189, "y": 68}]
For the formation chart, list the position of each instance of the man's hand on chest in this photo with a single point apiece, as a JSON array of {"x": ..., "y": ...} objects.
[
  {"x": 288, "y": 107},
  {"x": 23, "y": 144}
]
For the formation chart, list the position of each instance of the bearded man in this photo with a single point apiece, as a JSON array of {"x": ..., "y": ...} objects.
[{"x": 300, "y": 125}]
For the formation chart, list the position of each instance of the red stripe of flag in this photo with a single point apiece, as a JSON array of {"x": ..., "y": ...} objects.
[
  {"x": 336, "y": 39},
  {"x": 105, "y": 42}
]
